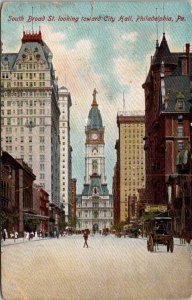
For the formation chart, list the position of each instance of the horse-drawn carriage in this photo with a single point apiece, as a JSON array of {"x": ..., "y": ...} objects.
[{"x": 160, "y": 233}]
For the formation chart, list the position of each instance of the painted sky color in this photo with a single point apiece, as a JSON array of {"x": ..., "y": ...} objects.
[{"x": 110, "y": 56}]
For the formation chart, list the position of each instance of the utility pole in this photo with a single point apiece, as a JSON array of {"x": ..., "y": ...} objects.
[{"x": 92, "y": 7}]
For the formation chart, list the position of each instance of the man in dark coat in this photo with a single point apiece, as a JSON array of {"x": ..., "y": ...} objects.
[{"x": 85, "y": 235}]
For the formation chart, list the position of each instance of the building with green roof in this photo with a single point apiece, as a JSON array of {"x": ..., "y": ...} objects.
[{"x": 95, "y": 205}]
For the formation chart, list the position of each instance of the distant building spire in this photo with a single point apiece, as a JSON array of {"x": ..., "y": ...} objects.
[
  {"x": 32, "y": 19},
  {"x": 94, "y": 103},
  {"x": 123, "y": 101},
  {"x": 92, "y": 7},
  {"x": 157, "y": 43},
  {"x": 163, "y": 17}
]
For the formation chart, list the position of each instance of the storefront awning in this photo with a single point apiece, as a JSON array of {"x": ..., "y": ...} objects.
[{"x": 33, "y": 216}]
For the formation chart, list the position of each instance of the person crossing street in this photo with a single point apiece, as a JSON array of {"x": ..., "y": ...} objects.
[{"x": 85, "y": 235}]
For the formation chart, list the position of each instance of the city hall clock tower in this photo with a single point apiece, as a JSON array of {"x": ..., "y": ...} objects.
[
  {"x": 95, "y": 204},
  {"x": 94, "y": 145}
]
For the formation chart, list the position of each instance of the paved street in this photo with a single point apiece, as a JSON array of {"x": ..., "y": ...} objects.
[{"x": 110, "y": 269}]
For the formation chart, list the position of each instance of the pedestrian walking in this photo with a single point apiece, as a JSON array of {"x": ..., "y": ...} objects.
[
  {"x": 16, "y": 235},
  {"x": 4, "y": 235},
  {"x": 85, "y": 235}
]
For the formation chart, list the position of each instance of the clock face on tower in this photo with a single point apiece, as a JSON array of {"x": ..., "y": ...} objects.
[{"x": 94, "y": 136}]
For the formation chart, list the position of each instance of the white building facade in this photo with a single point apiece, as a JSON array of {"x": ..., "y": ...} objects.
[
  {"x": 94, "y": 209},
  {"x": 65, "y": 150},
  {"x": 30, "y": 111}
]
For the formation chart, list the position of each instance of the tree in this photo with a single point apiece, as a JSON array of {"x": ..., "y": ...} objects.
[
  {"x": 62, "y": 224},
  {"x": 73, "y": 221},
  {"x": 31, "y": 224}
]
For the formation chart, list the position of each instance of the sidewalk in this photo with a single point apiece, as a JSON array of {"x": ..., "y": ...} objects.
[{"x": 9, "y": 241}]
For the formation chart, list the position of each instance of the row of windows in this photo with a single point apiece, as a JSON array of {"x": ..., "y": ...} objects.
[
  {"x": 9, "y": 139},
  {"x": 22, "y": 121},
  {"x": 132, "y": 143},
  {"x": 137, "y": 161},
  {"x": 27, "y": 84},
  {"x": 134, "y": 146},
  {"x": 41, "y": 148},
  {"x": 133, "y": 161},
  {"x": 4, "y": 75},
  {"x": 134, "y": 125},
  {"x": 22, "y": 103},
  {"x": 29, "y": 66},
  {"x": 9, "y": 129},
  {"x": 26, "y": 94},
  {"x": 104, "y": 204},
  {"x": 21, "y": 112},
  {"x": 95, "y": 215},
  {"x": 20, "y": 76}
]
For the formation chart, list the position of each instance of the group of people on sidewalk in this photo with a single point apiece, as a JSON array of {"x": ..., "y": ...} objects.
[
  {"x": 31, "y": 235},
  {"x": 5, "y": 235}
]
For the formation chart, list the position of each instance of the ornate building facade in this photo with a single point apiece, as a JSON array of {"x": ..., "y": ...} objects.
[
  {"x": 30, "y": 112},
  {"x": 95, "y": 206},
  {"x": 167, "y": 132}
]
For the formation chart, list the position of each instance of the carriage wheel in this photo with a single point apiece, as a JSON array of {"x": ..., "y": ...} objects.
[{"x": 171, "y": 245}]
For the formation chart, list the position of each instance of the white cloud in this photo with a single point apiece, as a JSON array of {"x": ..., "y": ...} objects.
[
  {"x": 73, "y": 65},
  {"x": 131, "y": 37},
  {"x": 124, "y": 41},
  {"x": 132, "y": 75}
]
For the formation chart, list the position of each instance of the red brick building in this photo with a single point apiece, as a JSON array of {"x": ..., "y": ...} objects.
[
  {"x": 17, "y": 192},
  {"x": 41, "y": 207},
  {"x": 167, "y": 95},
  {"x": 73, "y": 182}
]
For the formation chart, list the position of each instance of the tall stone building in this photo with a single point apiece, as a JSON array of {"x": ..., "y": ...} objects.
[
  {"x": 95, "y": 205},
  {"x": 65, "y": 150},
  {"x": 129, "y": 173},
  {"x": 167, "y": 131},
  {"x": 116, "y": 187},
  {"x": 30, "y": 112}
]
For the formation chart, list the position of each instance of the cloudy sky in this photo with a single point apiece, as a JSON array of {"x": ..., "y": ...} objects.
[{"x": 112, "y": 57}]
